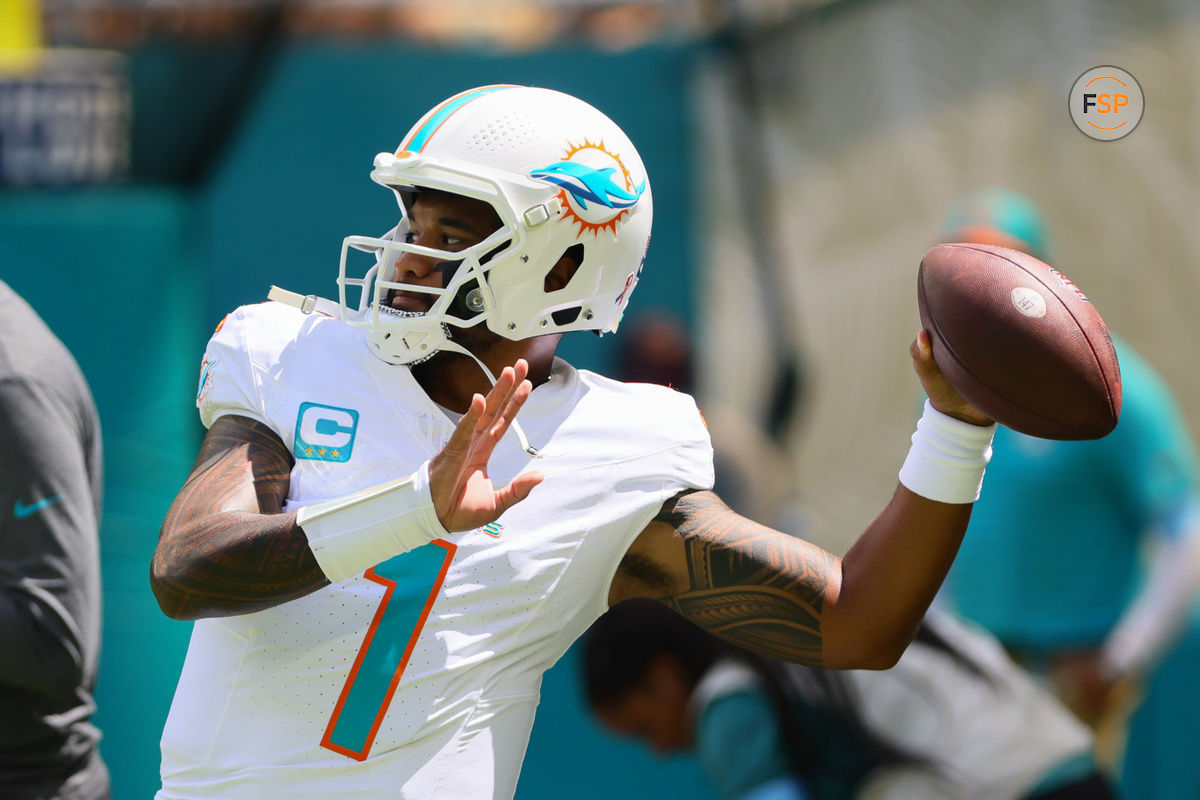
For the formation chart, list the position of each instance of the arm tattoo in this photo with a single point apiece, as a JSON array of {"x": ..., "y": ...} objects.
[
  {"x": 226, "y": 547},
  {"x": 753, "y": 586}
]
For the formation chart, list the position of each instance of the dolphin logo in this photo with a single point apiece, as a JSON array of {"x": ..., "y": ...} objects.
[{"x": 589, "y": 183}]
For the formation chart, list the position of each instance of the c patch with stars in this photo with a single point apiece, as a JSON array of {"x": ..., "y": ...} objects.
[{"x": 325, "y": 433}]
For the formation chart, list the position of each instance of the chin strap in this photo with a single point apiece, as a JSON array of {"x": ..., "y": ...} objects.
[
  {"x": 455, "y": 347},
  {"x": 310, "y": 303}
]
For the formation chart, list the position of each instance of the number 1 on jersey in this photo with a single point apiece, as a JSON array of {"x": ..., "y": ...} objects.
[{"x": 385, "y": 651}]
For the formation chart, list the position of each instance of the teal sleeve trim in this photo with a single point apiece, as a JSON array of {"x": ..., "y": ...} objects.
[
  {"x": 1073, "y": 769},
  {"x": 739, "y": 745}
]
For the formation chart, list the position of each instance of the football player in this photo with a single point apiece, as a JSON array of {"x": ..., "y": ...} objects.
[{"x": 373, "y": 612}]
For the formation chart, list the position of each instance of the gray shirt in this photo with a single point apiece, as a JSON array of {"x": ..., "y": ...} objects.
[{"x": 50, "y": 484}]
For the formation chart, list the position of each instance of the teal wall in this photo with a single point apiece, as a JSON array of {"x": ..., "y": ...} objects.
[
  {"x": 114, "y": 273},
  {"x": 134, "y": 279}
]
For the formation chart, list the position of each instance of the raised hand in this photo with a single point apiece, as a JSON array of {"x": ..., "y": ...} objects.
[
  {"x": 942, "y": 396},
  {"x": 463, "y": 494}
]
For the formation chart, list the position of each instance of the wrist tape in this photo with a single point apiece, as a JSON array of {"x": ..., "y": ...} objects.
[
  {"x": 353, "y": 533},
  {"x": 947, "y": 458}
]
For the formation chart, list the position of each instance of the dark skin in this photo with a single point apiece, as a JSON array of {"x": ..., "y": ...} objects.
[{"x": 226, "y": 547}]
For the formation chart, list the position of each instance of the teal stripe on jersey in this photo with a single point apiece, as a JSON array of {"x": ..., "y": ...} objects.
[
  {"x": 413, "y": 580},
  {"x": 422, "y": 136}
]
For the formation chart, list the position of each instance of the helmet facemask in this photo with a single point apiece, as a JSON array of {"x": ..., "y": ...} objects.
[{"x": 406, "y": 337}]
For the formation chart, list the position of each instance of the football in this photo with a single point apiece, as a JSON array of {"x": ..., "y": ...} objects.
[{"x": 1019, "y": 341}]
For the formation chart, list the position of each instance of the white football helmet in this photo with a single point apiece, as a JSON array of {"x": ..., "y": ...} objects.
[{"x": 559, "y": 173}]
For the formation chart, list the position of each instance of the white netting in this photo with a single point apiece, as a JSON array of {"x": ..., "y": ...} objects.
[{"x": 880, "y": 117}]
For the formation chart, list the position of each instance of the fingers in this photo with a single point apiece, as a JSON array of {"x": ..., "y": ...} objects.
[
  {"x": 502, "y": 395},
  {"x": 504, "y": 401},
  {"x": 942, "y": 394},
  {"x": 488, "y": 417},
  {"x": 460, "y": 439},
  {"x": 463, "y": 494},
  {"x": 518, "y": 490},
  {"x": 932, "y": 379},
  {"x": 921, "y": 351},
  {"x": 512, "y": 404}
]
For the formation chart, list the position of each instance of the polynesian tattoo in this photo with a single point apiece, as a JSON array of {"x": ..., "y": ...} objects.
[
  {"x": 748, "y": 583},
  {"x": 225, "y": 546}
]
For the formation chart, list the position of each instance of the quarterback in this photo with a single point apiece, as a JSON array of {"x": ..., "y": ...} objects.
[{"x": 407, "y": 508}]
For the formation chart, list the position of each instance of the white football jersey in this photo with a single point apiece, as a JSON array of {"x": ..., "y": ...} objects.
[
  {"x": 987, "y": 735},
  {"x": 419, "y": 678},
  {"x": 994, "y": 738}
]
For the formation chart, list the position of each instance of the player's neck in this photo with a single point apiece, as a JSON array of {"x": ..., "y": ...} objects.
[{"x": 451, "y": 379}]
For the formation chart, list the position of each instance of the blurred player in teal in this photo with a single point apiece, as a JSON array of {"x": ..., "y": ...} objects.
[
  {"x": 954, "y": 719},
  {"x": 1083, "y": 557}
]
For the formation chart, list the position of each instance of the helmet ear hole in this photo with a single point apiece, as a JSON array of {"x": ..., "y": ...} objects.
[
  {"x": 565, "y": 316},
  {"x": 564, "y": 270}
]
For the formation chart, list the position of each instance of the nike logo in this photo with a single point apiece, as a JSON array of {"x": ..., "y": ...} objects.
[{"x": 22, "y": 511}]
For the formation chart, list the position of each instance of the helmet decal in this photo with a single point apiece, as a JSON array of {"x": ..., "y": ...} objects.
[
  {"x": 434, "y": 120},
  {"x": 596, "y": 189},
  {"x": 633, "y": 278}
]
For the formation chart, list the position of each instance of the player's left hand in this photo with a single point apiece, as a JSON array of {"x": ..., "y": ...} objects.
[
  {"x": 942, "y": 396},
  {"x": 463, "y": 494}
]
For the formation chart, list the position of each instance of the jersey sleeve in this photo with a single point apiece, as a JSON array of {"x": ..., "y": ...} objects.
[
  {"x": 229, "y": 380},
  {"x": 658, "y": 433},
  {"x": 692, "y": 454}
]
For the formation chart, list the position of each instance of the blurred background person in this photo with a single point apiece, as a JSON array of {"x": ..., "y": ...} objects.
[
  {"x": 50, "y": 480},
  {"x": 1083, "y": 558},
  {"x": 955, "y": 718}
]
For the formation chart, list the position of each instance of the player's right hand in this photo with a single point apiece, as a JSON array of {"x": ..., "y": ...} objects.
[
  {"x": 463, "y": 494},
  {"x": 942, "y": 396}
]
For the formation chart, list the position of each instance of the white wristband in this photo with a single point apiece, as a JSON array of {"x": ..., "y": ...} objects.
[
  {"x": 352, "y": 533},
  {"x": 947, "y": 458}
]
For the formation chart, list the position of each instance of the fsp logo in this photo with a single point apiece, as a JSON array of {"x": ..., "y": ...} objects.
[
  {"x": 325, "y": 433},
  {"x": 1106, "y": 103}
]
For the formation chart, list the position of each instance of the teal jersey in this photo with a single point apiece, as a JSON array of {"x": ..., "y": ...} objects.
[
  {"x": 1052, "y": 553},
  {"x": 740, "y": 746},
  {"x": 743, "y": 750}
]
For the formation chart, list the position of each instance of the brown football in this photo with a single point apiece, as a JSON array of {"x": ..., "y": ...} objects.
[{"x": 1019, "y": 341}]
